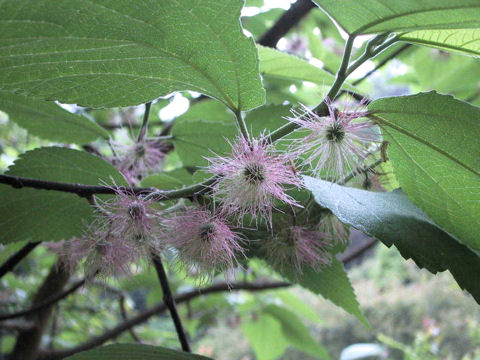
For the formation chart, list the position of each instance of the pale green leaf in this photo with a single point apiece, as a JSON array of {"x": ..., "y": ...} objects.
[
  {"x": 265, "y": 335},
  {"x": 134, "y": 352},
  {"x": 378, "y": 16},
  {"x": 48, "y": 120},
  {"x": 195, "y": 140},
  {"x": 332, "y": 283},
  {"x": 435, "y": 152},
  {"x": 393, "y": 219},
  {"x": 169, "y": 180},
  {"x": 295, "y": 332},
  {"x": 466, "y": 41},
  {"x": 107, "y": 53},
  {"x": 42, "y": 215},
  {"x": 277, "y": 64}
]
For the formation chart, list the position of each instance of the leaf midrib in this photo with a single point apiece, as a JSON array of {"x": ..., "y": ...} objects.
[
  {"x": 423, "y": 141},
  {"x": 394, "y": 16}
]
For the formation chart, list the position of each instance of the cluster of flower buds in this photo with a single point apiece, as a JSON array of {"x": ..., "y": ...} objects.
[
  {"x": 126, "y": 229},
  {"x": 248, "y": 184}
]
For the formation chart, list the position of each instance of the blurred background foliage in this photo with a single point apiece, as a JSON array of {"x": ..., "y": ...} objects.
[{"x": 413, "y": 314}]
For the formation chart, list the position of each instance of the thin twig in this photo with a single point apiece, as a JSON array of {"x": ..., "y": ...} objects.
[
  {"x": 13, "y": 260},
  {"x": 169, "y": 301},
  {"x": 157, "y": 309},
  {"x": 50, "y": 301},
  {"x": 286, "y": 22},
  {"x": 382, "y": 63},
  {"x": 82, "y": 190},
  {"x": 144, "y": 127},
  {"x": 123, "y": 312}
]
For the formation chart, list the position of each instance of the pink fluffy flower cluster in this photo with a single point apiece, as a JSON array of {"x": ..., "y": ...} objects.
[{"x": 249, "y": 183}]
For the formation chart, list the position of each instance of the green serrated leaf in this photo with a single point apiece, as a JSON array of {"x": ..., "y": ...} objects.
[
  {"x": 332, "y": 283},
  {"x": 277, "y": 64},
  {"x": 208, "y": 110},
  {"x": 195, "y": 140},
  {"x": 265, "y": 335},
  {"x": 378, "y": 16},
  {"x": 48, "y": 120},
  {"x": 466, "y": 41},
  {"x": 434, "y": 150},
  {"x": 134, "y": 352},
  {"x": 169, "y": 180},
  {"x": 393, "y": 219},
  {"x": 108, "y": 53},
  {"x": 267, "y": 118},
  {"x": 295, "y": 332},
  {"x": 41, "y": 215}
]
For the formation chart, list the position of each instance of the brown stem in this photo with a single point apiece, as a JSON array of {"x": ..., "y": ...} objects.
[
  {"x": 157, "y": 309},
  {"x": 13, "y": 260},
  {"x": 28, "y": 341}
]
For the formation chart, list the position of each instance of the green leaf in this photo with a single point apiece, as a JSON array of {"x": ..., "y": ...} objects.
[
  {"x": 296, "y": 333},
  {"x": 207, "y": 110},
  {"x": 465, "y": 41},
  {"x": 195, "y": 140},
  {"x": 434, "y": 150},
  {"x": 393, "y": 219},
  {"x": 134, "y": 352},
  {"x": 169, "y": 180},
  {"x": 277, "y": 64},
  {"x": 378, "y": 16},
  {"x": 332, "y": 283},
  {"x": 443, "y": 72},
  {"x": 267, "y": 118},
  {"x": 265, "y": 335},
  {"x": 108, "y": 53},
  {"x": 42, "y": 215},
  {"x": 48, "y": 120},
  {"x": 298, "y": 306}
]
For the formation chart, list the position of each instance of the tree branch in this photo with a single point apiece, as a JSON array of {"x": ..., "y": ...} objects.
[
  {"x": 13, "y": 260},
  {"x": 286, "y": 22},
  {"x": 383, "y": 63},
  {"x": 28, "y": 342},
  {"x": 157, "y": 309},
  {"x": 169, "y": 301},
  {"x": 82, "y": 190},
  {"x": 36, "y": 307},
  {"x": 185, "y": 297}
]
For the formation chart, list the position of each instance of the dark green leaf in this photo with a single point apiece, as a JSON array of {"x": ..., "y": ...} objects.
[
  {"x": 296, "y": 333},
  {"x": 107, "y": 53},
  {"x": 267, "y": 118},
  {"x": 48, "y": 120},
  {"x": 134, "y": 352},
  {"x": 393, "y": 219},
  {"x": 208, "y": 110},
  {"x": 41, "y": 215},
  {"x": 332, "y": 283},
  {"x": 265, "y": 336},
  {"x": 169, "y": 180},
  {"x": 277, "y": 64},
  {"x": 378, "y": 16},
  {"x": 435, "y": 152},
  {"x": 466, "y": 41},
  {"x": 195, "y": 140}
]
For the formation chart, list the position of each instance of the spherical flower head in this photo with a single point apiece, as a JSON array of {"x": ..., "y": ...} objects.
[
  {"x": 140, "y": 159},
  {"x": 297, "y": 247},
  {"x": 334, "y": 229},
  {"x": 135, "y": 219},
  {"x": 125, "y": 229},
  {"x": 336, "y": 143},
  {"x": 204, "y": 242},
  {"x": 104, "y": 254},
  {"x": 252, "y": 178}
]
